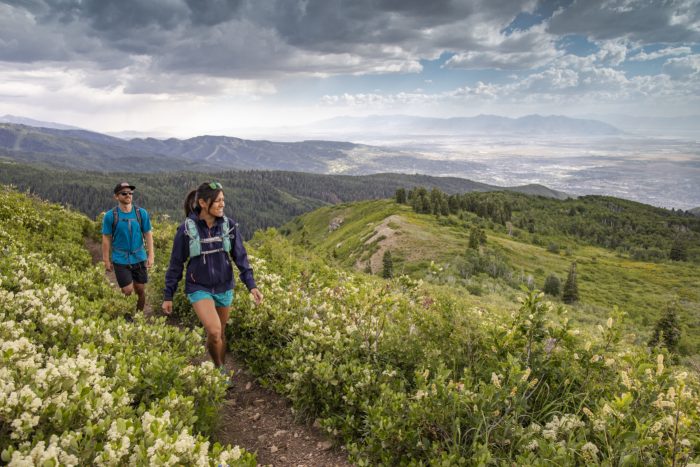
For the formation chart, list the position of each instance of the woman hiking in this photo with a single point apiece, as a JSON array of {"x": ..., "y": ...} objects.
[{"x": 209, "y": 240}]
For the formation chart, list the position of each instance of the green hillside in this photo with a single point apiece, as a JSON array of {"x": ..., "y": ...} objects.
[
  {"x": 436, "y": 249},
  {"x": 402, "y": 372}
]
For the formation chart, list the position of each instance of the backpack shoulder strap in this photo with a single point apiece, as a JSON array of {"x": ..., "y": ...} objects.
[
  {"x": 138, "y": 217},
  {"x": 226, "y": 235},
  {"x": 115, "y": 220},
  {"x": 192, "y": 232}
]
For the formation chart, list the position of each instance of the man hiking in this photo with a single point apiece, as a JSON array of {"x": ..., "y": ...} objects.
[{"x": 125, "y": 229}]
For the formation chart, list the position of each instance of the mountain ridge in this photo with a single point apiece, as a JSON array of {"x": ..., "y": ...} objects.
[{"x": 88, "y": 150}]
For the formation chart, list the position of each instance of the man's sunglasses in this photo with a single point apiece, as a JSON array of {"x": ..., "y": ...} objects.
[
  {"x": 215, "y": 186},
  {"x": 127, "y": 193}
]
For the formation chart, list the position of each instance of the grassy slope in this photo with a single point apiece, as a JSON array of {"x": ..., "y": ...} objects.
[{"x": 640, "y": 289}]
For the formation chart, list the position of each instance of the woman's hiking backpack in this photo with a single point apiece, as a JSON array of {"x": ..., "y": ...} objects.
[{"x": 196, "y": 242}]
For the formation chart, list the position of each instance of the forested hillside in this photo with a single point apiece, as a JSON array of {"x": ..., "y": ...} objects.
[{"x": 257, "y": 199}]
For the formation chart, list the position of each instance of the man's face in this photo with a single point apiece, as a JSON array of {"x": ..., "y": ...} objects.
[{"x": 124, "y": 196}]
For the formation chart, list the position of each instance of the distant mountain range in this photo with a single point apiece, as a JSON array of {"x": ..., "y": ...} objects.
[
  {"x": 681, "y": 127},
  {"x": 58, "y": 145},
  {"x": 37, "y": 123}
]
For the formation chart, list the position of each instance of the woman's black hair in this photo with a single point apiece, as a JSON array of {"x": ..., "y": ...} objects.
[{"x": 205, "y": 192}]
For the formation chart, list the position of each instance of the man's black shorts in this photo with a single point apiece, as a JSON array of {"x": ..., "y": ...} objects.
[{"x": 128, "y": 273}]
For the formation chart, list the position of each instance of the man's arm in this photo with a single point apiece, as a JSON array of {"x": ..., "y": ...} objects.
[
  {"x": 106, "y": 245},
  {"x": 148, "y": 236}
]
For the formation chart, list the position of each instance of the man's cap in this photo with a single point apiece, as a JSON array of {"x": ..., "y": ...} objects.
[{"x": 121, "y": 186}]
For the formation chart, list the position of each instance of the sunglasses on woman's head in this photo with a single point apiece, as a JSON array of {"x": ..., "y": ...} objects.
[
  {"x": 215, "y": 186},
  {"x": 126, "y": 193}
]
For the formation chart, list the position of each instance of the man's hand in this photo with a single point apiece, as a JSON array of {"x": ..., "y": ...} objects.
[
  {"x": 108, "y": 266},
  {"x": 257, "y": 296},
  {"x": 150, "y": 261},
  {"x": 167, "y": 306}
]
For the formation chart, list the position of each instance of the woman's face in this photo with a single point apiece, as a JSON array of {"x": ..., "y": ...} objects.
[{"x": 216, "y": 208}]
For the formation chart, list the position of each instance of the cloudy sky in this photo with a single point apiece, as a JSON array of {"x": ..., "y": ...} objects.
[{"x": 188, "y": 67}]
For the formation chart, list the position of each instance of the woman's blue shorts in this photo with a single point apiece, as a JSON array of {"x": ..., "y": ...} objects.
[{"x": 220, "y": 299}]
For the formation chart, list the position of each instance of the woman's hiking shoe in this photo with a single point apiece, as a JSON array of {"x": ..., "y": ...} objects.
[{"x": 227, "y": 377}]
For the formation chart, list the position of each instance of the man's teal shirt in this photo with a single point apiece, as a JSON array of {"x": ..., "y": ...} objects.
[{"x": 127, "y": 241}]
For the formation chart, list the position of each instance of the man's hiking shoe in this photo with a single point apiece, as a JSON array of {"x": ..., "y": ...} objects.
[{"x": 228, "y": 383}]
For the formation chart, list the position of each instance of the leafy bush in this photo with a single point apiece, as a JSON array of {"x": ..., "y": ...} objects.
[{"x": 552, "y": 285}]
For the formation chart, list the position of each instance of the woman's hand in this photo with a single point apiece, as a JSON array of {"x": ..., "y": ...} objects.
[
  {"x": 167, "y": 306},
  {"x": 257, "y": 296}
]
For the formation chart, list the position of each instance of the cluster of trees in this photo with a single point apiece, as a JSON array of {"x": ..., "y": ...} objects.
[
  {"x": 644, "y": 232},
  {"x": 490, "y": 205}
]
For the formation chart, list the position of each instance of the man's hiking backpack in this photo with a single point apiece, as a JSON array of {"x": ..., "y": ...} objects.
[
  {"x": 115, "y": 219},
  {"x": 196, "y": 242}
]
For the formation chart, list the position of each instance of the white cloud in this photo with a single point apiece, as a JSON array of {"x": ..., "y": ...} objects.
[
  {"x": 612, "y": 52},
  {"x": 665, "y": 52},
  {"x": 520, "y": 50},
  {"x": 683, "y": 68}
]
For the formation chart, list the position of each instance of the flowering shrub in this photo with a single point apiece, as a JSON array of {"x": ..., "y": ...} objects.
[
  {"x": 405, "y": 373},
  {"x": 78, "y": 384}
]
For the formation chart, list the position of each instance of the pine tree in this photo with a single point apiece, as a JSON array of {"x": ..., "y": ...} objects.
[
  {"x": 388, "y": 263},
  {"x": 401, "y": 196},
  {"x": 679, "y": 251},
  {"x": 481, "y": 235},
  {"x": 474, "y": 238},
  {"x": 552, "y": 285},
  {"x": 570, "y": 294},
  {"x": 667, "y": 331}
]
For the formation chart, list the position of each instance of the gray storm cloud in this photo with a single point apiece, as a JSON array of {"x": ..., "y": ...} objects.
[{"x": 154, "y": 42}]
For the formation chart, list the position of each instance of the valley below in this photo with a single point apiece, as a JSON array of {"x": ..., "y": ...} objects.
[{"x": 656, "y": 171}]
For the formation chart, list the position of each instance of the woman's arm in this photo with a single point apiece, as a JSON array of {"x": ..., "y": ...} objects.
[
  {"x": 178, "y": 256},
  {"x": 240, "y": 257}
]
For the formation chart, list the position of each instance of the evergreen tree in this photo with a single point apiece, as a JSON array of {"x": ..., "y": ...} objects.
[
  {"x": 388, "y": 270},
  {"x": 679, "y": 251},
  {"x": 474, "y": 238},
  {"x": 400, "y": 196},
  {"x": 570, "y": 294},
  {"x": 667, "y": 331},
  {"x": 552, "y": 285},
  {"x": 305, "y": 237},
  {"x": 444, "y": 207},
  {"x": 481, "y": 235}
]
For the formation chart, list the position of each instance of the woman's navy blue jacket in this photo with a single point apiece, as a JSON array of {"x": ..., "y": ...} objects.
[{"x": 215, "y": 275}]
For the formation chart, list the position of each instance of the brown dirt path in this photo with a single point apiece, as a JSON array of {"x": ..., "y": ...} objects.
[{"x": 260, "y": 420}]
